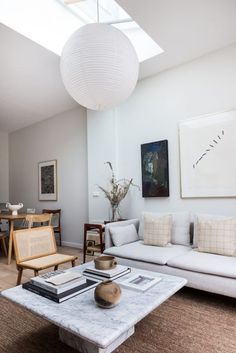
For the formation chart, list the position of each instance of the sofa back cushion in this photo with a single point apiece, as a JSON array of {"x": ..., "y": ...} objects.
[
  {"x": 124, "y": 234},
  {"x": 180, "y": 226},
  {"x": 157, "y": 231},
  {"x": 217, "y": 237},
  {"x": 108, "y": 239},
  {"x": 206, "y": 217}
]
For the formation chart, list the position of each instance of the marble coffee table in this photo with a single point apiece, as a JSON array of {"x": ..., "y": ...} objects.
[{"x": 88, "y": 328}]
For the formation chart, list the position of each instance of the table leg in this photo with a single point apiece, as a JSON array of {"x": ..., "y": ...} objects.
[
  {"x": 84, "y": 346},
  {"x": 101, "y": 240},
  {"x": 85, "y": 244},
  {"x": 10, "y": 241}
]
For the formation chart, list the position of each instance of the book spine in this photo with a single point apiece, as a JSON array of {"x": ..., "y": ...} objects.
[
  {"x": 40, "y": 292},
  {"x": 60, "y": 297},
  {"x": 104, "y": 274},
  {"x": 56, "y": 290},
  {"x": 41, "y": 285},
  {"x": 106, "y": 278}
]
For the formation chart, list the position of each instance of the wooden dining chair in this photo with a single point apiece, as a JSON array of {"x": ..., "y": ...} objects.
[
  {"x": 35, "y": 249},
  {"x": 3, "y": 237},
  {"x": 39, "y": 219},
  {"x": 56, "y": 216}
]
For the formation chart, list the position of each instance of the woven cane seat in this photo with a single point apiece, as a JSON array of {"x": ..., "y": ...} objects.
[{"x": 47, "y": 261}]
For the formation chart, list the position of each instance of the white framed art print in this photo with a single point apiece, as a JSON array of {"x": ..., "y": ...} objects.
[{"x": 207, "y": 155}]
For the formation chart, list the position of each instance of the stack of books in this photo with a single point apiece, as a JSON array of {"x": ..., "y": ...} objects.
[
  {"x": 112, "y": 274},
  {"x": 59, "y": 285}
]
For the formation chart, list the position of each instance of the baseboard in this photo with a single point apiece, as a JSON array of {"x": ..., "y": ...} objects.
[{"x": 72, "y": 245}]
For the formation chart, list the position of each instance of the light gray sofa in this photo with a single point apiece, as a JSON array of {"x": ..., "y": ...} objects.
[{"x": 204, "y": 271}]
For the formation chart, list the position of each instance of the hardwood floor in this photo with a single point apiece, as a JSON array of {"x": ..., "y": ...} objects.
[{"x": 8, "y": 273}]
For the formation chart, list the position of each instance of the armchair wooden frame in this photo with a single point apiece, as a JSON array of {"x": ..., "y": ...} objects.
[
  {"x": 35, "y": 249},
  {"x": 3, "y": 237},
  {"x": 57, "y": 229}
]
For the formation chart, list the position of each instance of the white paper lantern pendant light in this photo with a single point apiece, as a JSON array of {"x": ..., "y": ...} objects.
[{"x": 99, "y": 66}]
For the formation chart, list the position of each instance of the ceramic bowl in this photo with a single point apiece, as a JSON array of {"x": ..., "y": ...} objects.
[{"x": 105, "y": 262}]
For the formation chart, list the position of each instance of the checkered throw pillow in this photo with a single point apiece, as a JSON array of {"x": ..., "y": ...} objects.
[
  {"x": 217, "y": 237},
  {"x": 157, "y": 231}
]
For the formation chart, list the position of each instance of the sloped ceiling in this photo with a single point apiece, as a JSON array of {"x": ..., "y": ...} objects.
[
  {"x": 185, "y": 29},
  {"x": 31, "y": 88}
]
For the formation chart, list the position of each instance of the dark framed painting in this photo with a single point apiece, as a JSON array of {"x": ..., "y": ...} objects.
[
  {"x": 155, "y": 169},
  {"x": 48, "y": 181}
]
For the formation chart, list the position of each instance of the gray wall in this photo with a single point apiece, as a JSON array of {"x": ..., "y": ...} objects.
[
  {"x": 152, "y": 113},
  {"x": 4, "y": 167},
  {"x": 62, "y": 137}
]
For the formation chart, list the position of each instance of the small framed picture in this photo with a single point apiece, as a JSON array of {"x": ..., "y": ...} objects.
[
  {"x": 48, "y": 181},
  {"x": 140, "y": 282}
]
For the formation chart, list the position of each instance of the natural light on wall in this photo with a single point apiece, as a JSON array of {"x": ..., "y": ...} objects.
[{"x": 51, "y": 22}]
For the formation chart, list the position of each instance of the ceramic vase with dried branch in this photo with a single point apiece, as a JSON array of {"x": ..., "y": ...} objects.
[{"x": 116, "y": 193}]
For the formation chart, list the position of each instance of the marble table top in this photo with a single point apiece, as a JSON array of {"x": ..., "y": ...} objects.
[{"x": 81, "y": 316}]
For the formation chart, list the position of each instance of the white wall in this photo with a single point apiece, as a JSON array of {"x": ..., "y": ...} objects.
[
  {"x": 4, "y": 167},
  {"x": 62, "y": 137},
  {"x": 152, "y": 113}
]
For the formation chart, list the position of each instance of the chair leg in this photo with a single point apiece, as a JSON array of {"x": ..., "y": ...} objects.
[
  {"x": 4, "y": 247},
  {"x": 73, "y": 263},
  {"x": 56, "y": 268},
  {"x": 19, "y": 277},
  {"x": 36, "y": 273}
]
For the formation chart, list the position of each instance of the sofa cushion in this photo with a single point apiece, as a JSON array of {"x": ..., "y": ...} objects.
[
  {"x": 147, "y": 253},
  {"x": 123, "y": 235},
  {"x": 180, "y": 226},
  {"x": 217, "y": 237},
  {"x": 205, "y": 263},
  {"x": 108, "y": 240},
  {"x": 207, "y": 217},
  {"x": 157, "y": 231}
]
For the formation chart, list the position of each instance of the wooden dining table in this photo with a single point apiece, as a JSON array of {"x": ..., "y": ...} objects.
[{"x": 11, "y": 220}]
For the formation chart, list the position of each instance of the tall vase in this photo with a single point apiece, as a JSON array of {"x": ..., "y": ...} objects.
[{"x": 115, "y": 213}]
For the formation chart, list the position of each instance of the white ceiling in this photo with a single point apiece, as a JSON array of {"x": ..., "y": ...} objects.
[
  {"x": 184, "y": 29},
  {"x": 31, "y": 87}
]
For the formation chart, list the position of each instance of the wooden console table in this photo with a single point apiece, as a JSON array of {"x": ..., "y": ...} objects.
[{"x": 98, "y": 247}]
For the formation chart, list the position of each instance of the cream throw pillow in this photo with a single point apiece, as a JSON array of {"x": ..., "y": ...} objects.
[
  {"x": 124, "y": 234},
  {"x": 217, "y": 237},
  {"x": 157, "y": 231}
]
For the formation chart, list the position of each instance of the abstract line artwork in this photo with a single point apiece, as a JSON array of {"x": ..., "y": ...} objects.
[
  {"x": 206, "y": 150},
  {"x": 210, "y": 147}
]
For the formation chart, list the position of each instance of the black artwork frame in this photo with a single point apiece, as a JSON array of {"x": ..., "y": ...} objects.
[{"x": 155, "y": 169}]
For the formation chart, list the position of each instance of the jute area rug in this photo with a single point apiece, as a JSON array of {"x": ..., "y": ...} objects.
[{"x": 189, "y": 322}]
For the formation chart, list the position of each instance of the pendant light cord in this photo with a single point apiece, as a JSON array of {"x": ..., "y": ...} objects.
[{"x": 98, "y": 19}]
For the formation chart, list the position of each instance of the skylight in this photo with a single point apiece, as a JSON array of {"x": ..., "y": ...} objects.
[{"x": 51, "y": 22}]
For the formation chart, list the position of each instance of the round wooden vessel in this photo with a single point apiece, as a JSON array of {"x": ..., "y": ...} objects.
[{"x": 107, "y": 294}]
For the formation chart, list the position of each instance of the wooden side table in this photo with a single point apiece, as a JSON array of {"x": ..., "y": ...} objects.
[{"x": 98, "y": 247}]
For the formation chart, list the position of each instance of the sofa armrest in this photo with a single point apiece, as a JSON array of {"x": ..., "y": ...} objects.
[{"x": 108, "y": 240}]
